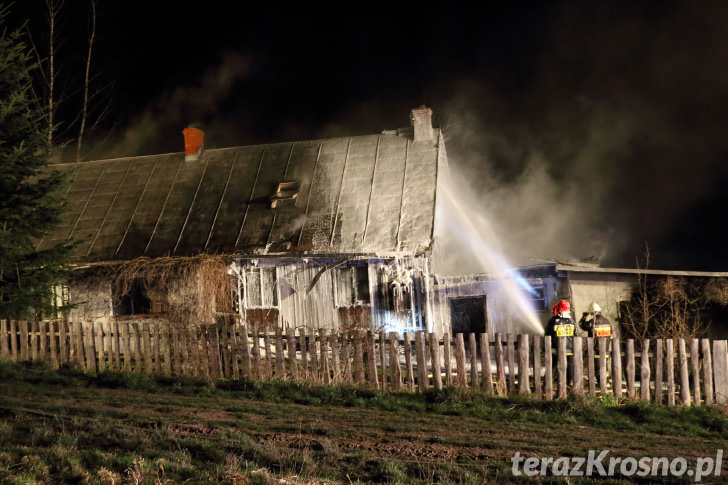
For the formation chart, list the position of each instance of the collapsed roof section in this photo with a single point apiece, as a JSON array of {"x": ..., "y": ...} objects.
[{"x": 371, "y": 194}]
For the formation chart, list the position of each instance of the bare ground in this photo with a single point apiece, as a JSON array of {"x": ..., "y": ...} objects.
[{"x": 343, "y": 443}]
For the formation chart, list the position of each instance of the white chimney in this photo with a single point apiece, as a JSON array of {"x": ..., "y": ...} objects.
[{"x": 421, "y": 119}]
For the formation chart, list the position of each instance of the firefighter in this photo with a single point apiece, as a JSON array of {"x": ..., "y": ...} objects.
[
  {"x": 559, "y": 326},
  {"x": 597, "y": 326}
]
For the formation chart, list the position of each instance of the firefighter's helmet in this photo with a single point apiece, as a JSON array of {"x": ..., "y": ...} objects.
[
  {"x": 594, "y": 307},
  {"x": 562, "y": 306}
]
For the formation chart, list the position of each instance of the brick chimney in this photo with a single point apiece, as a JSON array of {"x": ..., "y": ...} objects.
[
  {"x": 421, "y": 119},
  {"x": 194, "y": 143}
]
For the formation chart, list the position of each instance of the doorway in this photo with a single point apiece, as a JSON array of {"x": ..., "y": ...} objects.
[{"x": 468, "y": 314}]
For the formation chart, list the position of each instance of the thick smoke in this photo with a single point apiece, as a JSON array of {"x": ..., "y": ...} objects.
[
  {"x": 158, "y": 129},
  {"x": 608, "y": 146}
]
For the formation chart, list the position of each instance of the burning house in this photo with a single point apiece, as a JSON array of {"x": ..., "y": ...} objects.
[
  {"x": 333, "y": 233},
  {"x": 324, "y": 234}
]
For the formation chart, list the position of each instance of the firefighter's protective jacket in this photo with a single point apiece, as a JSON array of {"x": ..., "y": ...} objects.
[{"x": 560, "y": 327}]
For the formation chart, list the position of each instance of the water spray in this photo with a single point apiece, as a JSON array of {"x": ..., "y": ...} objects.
[{"x": 482, "y": 241}]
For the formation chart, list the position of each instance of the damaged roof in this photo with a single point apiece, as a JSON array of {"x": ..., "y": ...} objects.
[{"x": 356, "y": 195}]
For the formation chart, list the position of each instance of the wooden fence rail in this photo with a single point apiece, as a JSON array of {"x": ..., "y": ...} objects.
[{"x": 672, "y": 371}]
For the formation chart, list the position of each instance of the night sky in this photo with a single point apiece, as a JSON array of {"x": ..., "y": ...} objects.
[{"x": 577, "y": 129}]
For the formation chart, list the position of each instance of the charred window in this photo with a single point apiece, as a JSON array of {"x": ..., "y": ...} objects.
[
  {"x": 132, "y": 300},
  {"x": 255, "y": 288},
  {"x": 351, "y": 286},
  {"x": 255, "y": 296}
]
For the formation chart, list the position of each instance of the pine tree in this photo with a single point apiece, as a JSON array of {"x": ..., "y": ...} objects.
[{"x": 30, "y": 192}]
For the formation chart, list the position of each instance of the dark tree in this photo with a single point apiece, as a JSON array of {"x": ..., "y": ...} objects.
[{"x": 30, "y": 193}]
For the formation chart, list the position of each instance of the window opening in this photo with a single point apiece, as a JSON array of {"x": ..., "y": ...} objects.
[
  {"x": 285, "y": 195},
  {"x": 351, "y": 286},
  {"x": 134, "y": 302}
]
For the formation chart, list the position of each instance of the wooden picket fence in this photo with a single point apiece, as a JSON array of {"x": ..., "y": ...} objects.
[{"x": 671, "y": 371}]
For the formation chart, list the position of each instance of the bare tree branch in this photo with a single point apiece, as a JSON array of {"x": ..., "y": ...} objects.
[{"x": 84, "y": 109}]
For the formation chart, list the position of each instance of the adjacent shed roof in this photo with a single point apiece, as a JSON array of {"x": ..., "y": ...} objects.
[{"x": 356, "y": 195}]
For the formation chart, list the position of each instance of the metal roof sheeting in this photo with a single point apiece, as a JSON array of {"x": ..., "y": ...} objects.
[{"x": 356, "y": 195}]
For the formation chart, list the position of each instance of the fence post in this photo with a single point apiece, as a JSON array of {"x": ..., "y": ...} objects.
[
  {"x": 562, "y": 363},
  {"x": 394, "y": 368},
  {"x": 234, "y": 348},
  {"x": 52, "y": 347},
  {"x": 257, "y": 360},
  {"x": 280, "y": 360},
  {"x": 291, "y": 344},
  {"x": 336, "y": 357},
  {"x": 602, "y": 342},
  {"x": 537, "y": 386},
  {"x": 590, "y": 360},
  {"x": 462, "y": 380},
  {"x": 123, "y": 345},
  {"x": 511, "y": 357},
  {"x": 578, "y": 386},
  {"x": 548, "y": 356},
  {"x": 473, "y": 361},
  {"x": 501, "y": 384},
  {"x": 313, "y": 355},
  {"x": 348, "y": 355},
  {"x": 408, "y": 362},
  {"x": 303, "y": 346},
  {"x": 33, "y": 340},
  {"x": 630, "y": 369},
  {"x": 217, "y": 354},
  {"x": 383, "y": 358},
  {"x": 324, "y": 354},
  {"x": 447, "y": 356},
  {"x": 645, "y": 370},
  {"x": 24, "y": 354},
  {"x": 146, "y": 345},
  {"x": 659, "y": 370},
  {"x": 193, "y": 338},
  {"x": 485, "y": 363},
  {"x": 695, "y": 367},
  {"x": 720, "y": 370},
  {"x": 670, "y": 371},
  {"x": 4, "y": 340},
  {"x": 422, "y": 379},
  {"x": 266, "y": 360},
  {"x": 226, "y": 361},
  {"x": 523, "y": 367},
  {"x": 158, "y": 345},
  {"x": 91, "y": 351},
  {"x": 116, "y": 344},
  {"x": 100, "y": 338},
  {"x": 684, "y": 377},
  {"x": 43, "y": 340},
  {"x": 617, "y": 368},
  {"x": 14, "y": 340},
  {"x": 435, "y": 356},
  {"x": 358, "y": 357},
  {"x": 707, "y": 372},
  {"x": 372, "y": 360}
]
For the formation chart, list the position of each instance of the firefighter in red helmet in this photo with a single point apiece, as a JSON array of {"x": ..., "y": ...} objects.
[{"x": 559, "y": 326}]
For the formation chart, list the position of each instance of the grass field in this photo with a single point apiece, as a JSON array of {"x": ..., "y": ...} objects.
[{"x": 69, "y": 427}]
